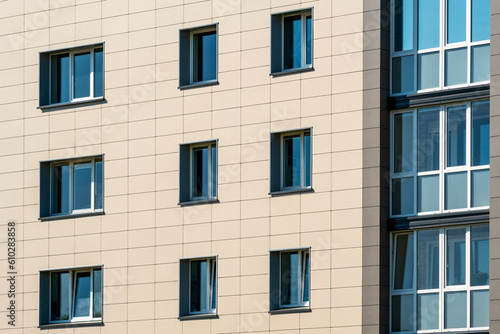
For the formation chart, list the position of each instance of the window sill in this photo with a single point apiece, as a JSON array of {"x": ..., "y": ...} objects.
[
  {"x": 75, "y": 215},
  {"x": 66, "y": 104},
  {"x": 199, "y": 201},
  {"x": 72, "y": 324},
  {"x": 292, "y": 71},
  {"x": 198, "y": 316},
  {"x": 299, "y": 309},
  {"x": 291, "y": 191},
  {"x": 200, "y": 84}
]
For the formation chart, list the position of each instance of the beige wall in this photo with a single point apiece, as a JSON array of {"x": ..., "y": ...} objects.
[{"x": 139, "y": 128}]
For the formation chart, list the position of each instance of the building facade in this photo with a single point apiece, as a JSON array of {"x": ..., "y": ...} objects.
[{"x": 234, "y": 166}]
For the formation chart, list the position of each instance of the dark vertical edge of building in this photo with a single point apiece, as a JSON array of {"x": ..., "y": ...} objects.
[
  {"x": 376, "y": 54},
  {"x": 495, "y": 169}
]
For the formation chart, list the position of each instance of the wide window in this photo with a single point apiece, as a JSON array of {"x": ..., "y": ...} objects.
[
  {"x": 440, "y": 159},
  {"x": 290, "y": 272},
  {"x": 291, "y": 161},
  {"x": 198, "y": 62},
  {"x": 73, "y": 75},
  {"x": 198, "y": 172},
  {"x": 440, "y": 280},
  {"x": 71, "y": 295},
  {"x": 439, "y": 44},
  {"x": 291, "y": 41},
  {"x": 71, "y": 187},
  {"x": 198, "y": 287}
]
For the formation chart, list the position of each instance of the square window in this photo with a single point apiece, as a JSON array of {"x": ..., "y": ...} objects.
[
  {"x": 198, "y": 172},
  {"x": 291, "y": 41},
  {"x": 71, "y": 187},
  {"x": 71, "y": 295},
  {"x": 291, "y": 161},
  {"x": 289, "y": 279},
  {"x": 198, "y": 287},
  {"x": 198, "y": 56},
  {"x": 72, "y": 75}
]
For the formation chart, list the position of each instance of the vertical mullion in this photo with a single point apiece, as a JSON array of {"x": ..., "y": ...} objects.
[
  {"x": 467, "y": 275},
  {"x": 442, "y": 155},
  {"x": 415, "y": 161},
  {"x": 415, "y": 46},
  {"x": 71, "y": 294},
  {"x": 468, "y": 150},
  {"x": 209, "y": 171},
  {"x": 442, "y": 42},
  {"x": 91, "y": 306},
  {"x": 92, "y": 184},
  {"x": 91, "y": 73},
  {"x": 442, "y": 274}
]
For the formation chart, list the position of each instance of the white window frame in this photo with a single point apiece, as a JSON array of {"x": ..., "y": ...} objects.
[
  {"x": 71, "y": 75},
  {"x": 443, "y": 169},
  {"x": 192, "y": 55},
  {"x": 71, "y": 164},
  {"x": 442, "y": 282},
  {"x": 210, "y": 146},
  {"x": 212, "y": 282},
  {"x": 71, "y": 295},
  {"x": 443, "y": 47},
  {"x": 302, "y": 159},
  {"x": 301, "y": 278},
  {"x": 303, "y": 40}
]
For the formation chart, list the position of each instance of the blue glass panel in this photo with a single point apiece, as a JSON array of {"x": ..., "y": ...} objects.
[
  {"x": 205, "y": 56},
  {"x": 480, "y": 188},
  {"x": 428, "y": 139},
  {"x": 403, "y": 143},
  {"x": 480, "y": 20},
  {"x": 292, "y": 37},
  {"x": 457, "y": 129},
  {"x": 480, "y": 63},
  {"x": 480, "y": 308},
  {"x": 455, "y": 257},
  {"x": 403, "y": 262},
  {"x": 428, "y": 70},
  {"x": 480, "y": 133},
  {"x": 307, "y": 159},
  {"x": 308, "y": 40},
  {"x": 428, "y": 311},
  {"x": 97, "y": 294},
  {"x": 455, "y": 191},
  {"x": 428, "y": 24},
  {"x": 403, "y": 75},
  {"x": 428, "y": 259},
  {"x": 98, "y": 72},
  {"x": 480, "y": 255},
  {"x": 200, "y": 177},
  {"x": 456, "y": 67},
  {"x": 98, "y": 189},
  {"x": 60, "y": 189},
  {"x": 59, "y": 296},
  {"x": 81, "y": 306},
  {"x": 214, "y": 170},
  {"x": 60, "y": 79},
  {"x": 214, "y": 283},
  {"x": 291, "y": 161},
  {"x": 199, "y": 286},
  {"x": 455, "y": 310},
  {"x": 428, "y": 193},
  {"x": 403, "y": 313},
  {"x": 81, "y": 75},
  {"x": 402, "y": 196},
  {"x": 403, "y": 25},
  {"x": 290, "y": 270},
  {"x": 456, "y": 20},
  {"x": 82, "y": 186}
]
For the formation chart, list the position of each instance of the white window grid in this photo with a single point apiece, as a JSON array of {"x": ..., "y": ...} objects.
[
  {"x": 210, "y": 146},
  {"x": 302, "y": 159},
  {"x": 212, "y": 284},
  {"x": 193, "y": 56},
  {"x": 301, "y": 275},
  {"x": 443, "y": 288},
  {"x": 71, "y": 165},
  {"x": 303, "y": 40},
  {"x": 71, "y": 296},
  {"x": 443, "y": 47},
  {"x": 72, "y": 74},
  {"x": 443, "y": 169}
]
